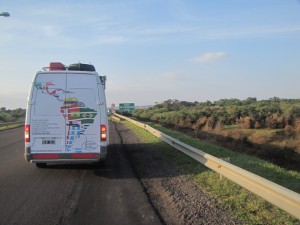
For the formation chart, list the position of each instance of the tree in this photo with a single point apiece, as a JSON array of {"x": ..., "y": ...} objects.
[{"x": 249, "y": 100}]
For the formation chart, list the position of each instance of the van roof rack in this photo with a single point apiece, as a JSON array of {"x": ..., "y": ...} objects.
[{"x": 56, "y": 66}]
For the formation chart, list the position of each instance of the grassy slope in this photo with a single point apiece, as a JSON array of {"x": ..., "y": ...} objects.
[
  {"x": 240, "y": 202},
  {"x": 10, "y": 127}
]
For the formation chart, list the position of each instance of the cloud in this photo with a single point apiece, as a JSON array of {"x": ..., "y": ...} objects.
[
  {"x": 253, "y": 32},
  {"x": 165, "y": 30},
  {"x": 113, "y": 39},
  {"x": 210, "y": 57},
  {"x": 170, "y": 76},
  {"x": 51, "y": 31}
]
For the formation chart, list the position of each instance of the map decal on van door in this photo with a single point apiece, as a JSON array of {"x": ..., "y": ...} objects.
[
  {"x": 77, "y": 115},
  {"x": 56, "y": 92},
  {"x": 79, "y": 119}
]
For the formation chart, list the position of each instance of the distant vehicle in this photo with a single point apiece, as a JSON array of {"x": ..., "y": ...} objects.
[{"x": 66, "y": 118}]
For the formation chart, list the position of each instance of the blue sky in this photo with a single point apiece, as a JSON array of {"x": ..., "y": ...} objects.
[{"x": 154, "y": 50}]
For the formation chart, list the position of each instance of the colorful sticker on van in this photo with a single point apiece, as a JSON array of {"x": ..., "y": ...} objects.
[
  {"x": 79, "y": 119},
  {"x": 58, "y": 93},
  {"x": 78, "y": 116}
]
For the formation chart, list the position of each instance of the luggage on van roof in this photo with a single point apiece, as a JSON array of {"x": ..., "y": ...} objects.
[
  {"x": 56, "y": 66},
  {"x": 81, "y": 67},
  {"x": 73, "y": 67}
]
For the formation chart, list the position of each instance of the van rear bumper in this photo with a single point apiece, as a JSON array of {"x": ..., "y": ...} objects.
[
  {"x": 27, "y": 154},
  {"x": 64, "y": 160},
  {"x": 103, "y": 153},
  {"x": 66, "y": 157}
]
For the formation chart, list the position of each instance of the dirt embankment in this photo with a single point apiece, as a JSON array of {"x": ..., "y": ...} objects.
[{"x": 176, "y": 199}]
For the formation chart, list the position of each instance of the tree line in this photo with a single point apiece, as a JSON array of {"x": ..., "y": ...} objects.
[
  {"x": 9, "y": 115},
  {"x": 274, "y": 113}
]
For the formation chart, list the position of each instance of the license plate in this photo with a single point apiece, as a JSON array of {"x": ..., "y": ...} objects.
[{"x": 48, "y": 142}]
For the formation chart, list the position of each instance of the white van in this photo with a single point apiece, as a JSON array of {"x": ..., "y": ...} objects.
[{"x": 66, "y": 117}]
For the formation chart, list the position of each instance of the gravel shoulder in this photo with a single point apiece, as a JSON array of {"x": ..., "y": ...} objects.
[{"x": 175, "y": 197}]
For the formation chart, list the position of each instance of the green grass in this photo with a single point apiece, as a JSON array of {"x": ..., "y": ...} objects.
[
  {"x": 246, "y": 206},
  {"x": 10, "y": 127},
  {"x": 250, "y": 163}
]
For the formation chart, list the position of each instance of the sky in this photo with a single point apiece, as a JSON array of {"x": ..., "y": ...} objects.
[{"x": 155, "y": 50}]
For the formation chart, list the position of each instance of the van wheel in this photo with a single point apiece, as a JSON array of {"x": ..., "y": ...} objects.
[{"x": 41, "y": 165}]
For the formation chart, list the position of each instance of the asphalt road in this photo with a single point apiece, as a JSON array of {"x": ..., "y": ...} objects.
[{"x": 70, "y": 194}]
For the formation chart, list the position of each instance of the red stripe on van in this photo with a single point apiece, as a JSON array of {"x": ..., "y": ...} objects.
[
  {"x": 86, "y": 156},
  {"x": 45, "y": 156}
]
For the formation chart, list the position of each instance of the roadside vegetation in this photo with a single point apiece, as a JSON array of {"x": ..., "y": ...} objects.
[
  {"x": 269, "y": 129},
  {"x": 10, "y": 127},
  {"x": 246, "y": 206},
  {"x": 10, "y": 116}
]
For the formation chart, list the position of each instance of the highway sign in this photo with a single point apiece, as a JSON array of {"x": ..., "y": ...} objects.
[{"x": 126, "y": 107}]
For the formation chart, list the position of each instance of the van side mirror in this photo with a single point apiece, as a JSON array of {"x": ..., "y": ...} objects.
[{"x": 103, "y": 80}]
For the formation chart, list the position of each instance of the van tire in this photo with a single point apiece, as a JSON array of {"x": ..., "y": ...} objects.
[{"x": 41, "y": 165}]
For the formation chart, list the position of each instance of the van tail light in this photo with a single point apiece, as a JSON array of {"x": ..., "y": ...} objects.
[
  {"x": 27, "y": 133},
  {"x": 103, "y": 133}
]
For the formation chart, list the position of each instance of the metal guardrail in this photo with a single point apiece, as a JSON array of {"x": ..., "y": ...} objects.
[
  {"x": 11, "y": 123},
  {"x": 279, "y": 196},
  {"x": 115, "y": 118}
]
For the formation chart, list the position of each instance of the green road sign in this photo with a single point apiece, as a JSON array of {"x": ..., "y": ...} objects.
[{"x": 126, "y": 107}]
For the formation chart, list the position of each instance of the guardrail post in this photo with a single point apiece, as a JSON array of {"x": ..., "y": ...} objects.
[{"x": 227, "y": 159}]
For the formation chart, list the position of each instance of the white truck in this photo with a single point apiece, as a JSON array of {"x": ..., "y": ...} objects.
[{"x": 66, "y": 117}]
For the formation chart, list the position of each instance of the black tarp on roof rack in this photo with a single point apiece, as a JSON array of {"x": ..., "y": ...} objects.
[{"x": 81, "y": 67}]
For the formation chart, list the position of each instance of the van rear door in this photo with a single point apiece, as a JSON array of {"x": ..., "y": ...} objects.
[
  {"x": 47, "y": 120},
  {"x": 81, "y": 110}
]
